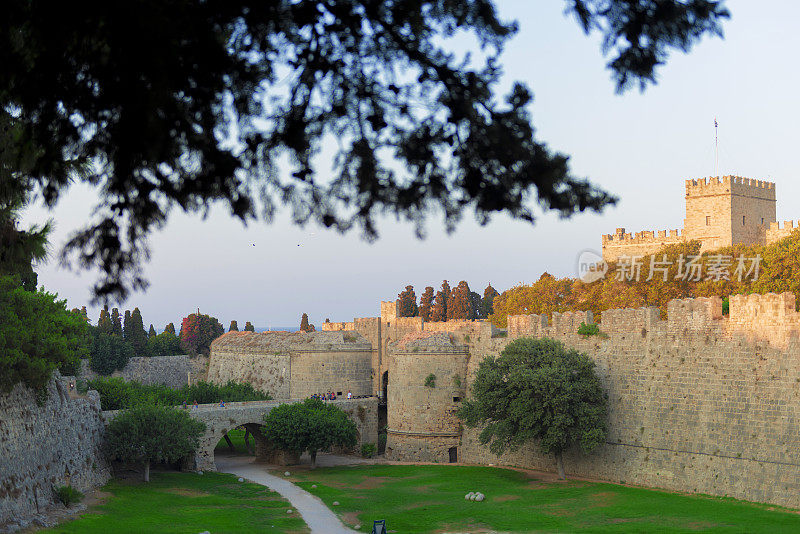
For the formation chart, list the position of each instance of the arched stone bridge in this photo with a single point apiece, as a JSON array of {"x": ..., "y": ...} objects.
[{"x": 219, "y": 420}]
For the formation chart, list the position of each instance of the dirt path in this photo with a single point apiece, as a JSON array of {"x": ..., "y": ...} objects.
[{"x": 320, "y": 519}]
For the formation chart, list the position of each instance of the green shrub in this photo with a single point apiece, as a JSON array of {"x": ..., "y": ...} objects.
[
  {"x": 430, "y": 381},
  {"x": 109, "y": 353},
  {"x": 68, "y": 495},
  {"x": 164, "y": 344},
  {"x": 726, "y": 306},
  {"x": 589, "y": 329},
  {"x": 368, "y": 450},
  {"x": 382, "y": 440},
  {"x": 117, "y": 394}
]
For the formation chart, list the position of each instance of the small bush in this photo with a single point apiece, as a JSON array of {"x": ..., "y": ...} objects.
[
  {"x": 430, "y": 381},
  {"x": 68, "y": 495},
  {"x": 726, "y": 306},
  {"x": 589, "y": 329},
  {"x": 368, "y": 450}
]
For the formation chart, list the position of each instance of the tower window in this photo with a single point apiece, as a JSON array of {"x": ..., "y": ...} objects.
[
  {"x": 742, "y": 220},
  {"x": 762, "y": 220},
  {"x": 708, "y": 220}
]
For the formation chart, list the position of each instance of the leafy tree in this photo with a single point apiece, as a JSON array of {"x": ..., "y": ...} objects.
[
  {"x": 439, "y": 310},
  {"x": 304, "y": 326},
  {"x": 487, "y": 304},
  {"x": 309, "y": 426},
  {"x": 151, "y": 433},
  {"x": 277, "y": 78},
  {"x": 197, "y": 333},
  {"x": 407, "y": 303},
  {"x": 233, "y": 327},
  {"x": 248, "y": 327},
  {"x": 151, "y": 333},
  {"x": 104, "y": 323},
  {"x": 170, "y": 328},
  {"x": 37, "y": 336},
  {"x": 84, "y": 312},
  {"x": 426, "y": 304},
  {"x": 138, "y": 337},
  {"x": 537, "y": 390},
  {"x": 109, "y": 353},
  {"x": 164, "y": 344},
  {"x": 116, "y": 322}
]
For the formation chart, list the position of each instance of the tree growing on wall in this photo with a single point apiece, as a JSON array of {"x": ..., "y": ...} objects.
[
  {"x": 164, "y": 344},
  {"x": 234, "y": 327},
  {"x": 151, "y": 433},
  {"x": 407, "y": 303},
  {"x": 37, "y": 335},
  {"x": 426, "y": 304},
  {"x": 109, "y": 353},
  {"x": 197, "y": 333},
  {"x": 537, "y": 391},
  {"x": 248, "y": 327},
  {"x": 309, "y": 426}
]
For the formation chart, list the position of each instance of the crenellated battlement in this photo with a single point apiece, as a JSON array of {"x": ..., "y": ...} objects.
[
  {"x": 643, "y": 237},
  {"x": 772, "y": 318},
  {"x": 775, "y": 232},
  {"x": 730, "y": 185}
]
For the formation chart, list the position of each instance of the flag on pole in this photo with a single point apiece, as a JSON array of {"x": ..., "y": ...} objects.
[{"x": 715, "y": 122}]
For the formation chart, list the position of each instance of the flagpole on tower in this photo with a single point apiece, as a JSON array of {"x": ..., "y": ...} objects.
[{"x": 716, "y": 149}]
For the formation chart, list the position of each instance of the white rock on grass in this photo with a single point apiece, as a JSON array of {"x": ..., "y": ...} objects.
[
  {"x": 241, "y": 479},
  {"x": 313, "y": 486},
  {"x": 479, "y": 497},
  {"x": 289, "y": 511},
  {"x": 287, "y": 473},
  {"x": 468, "y": 496},
  {"x": 199, "y": 472},
  {"x": 336, "y": 503}
]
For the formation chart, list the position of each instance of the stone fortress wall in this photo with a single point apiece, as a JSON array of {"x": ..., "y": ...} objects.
[
  {"x": 698, "y": 402},
  {"x": 57, "y": 443},
  {"x": 173, "y": 371},
  {"x": 720, "y": 211}
]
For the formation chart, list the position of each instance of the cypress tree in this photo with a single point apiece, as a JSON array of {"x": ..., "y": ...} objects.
[
  {"x": 476, "y": 305},
  {"x": 439, "y": 311},
  {"x": 104, "y": 324},
  {"x": 138, "y": 335},
  {"x": 304, "y": 323},
  {"x": 426, "y": 304},
  {"x": 407, "y": 303},
  {"x": 248, "y": 327},
  {"x": 170, "y": 328},
  {"x": 458, "y": 306},
  {"x": 234, "y": 327},
  {"x": 152, "y": 333},
  {"x": 116, "y": 322},
  {"x": 126, "y": 326},
  {"x": 489, "y": 294},
  {"x": 84, "y": 312}
]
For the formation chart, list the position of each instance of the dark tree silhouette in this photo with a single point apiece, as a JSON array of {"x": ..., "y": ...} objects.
[
  {"x": 126, "y": 326},
  {"x": 459, "y": 305},
  {"x": 170, "y": 328},
  {"x": 489, "y": 294},
  {"x": 151, "y": 333},
  {"x": 104, "y": 324},
  {"x": 234, "y": 327},
  {"x": 304, "y": 326},
  {"x": 85, "y": 96},
  {"x": 138, "y": 337},
  {"x": 407, "y": 303},
  {"x": 248, "y": 327},
  {"x": 439, "y": 310},
  {"x": 116, "y": 322},
  {"x": 426, "y": 304}
]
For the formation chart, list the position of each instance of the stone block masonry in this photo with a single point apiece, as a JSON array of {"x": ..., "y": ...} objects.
[
  {"x": 697, "y": 402},
  {"x": 172, "y": 371},
  {"x": 55, "y": 444}
]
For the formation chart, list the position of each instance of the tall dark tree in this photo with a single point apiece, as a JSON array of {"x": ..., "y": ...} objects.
[
  {"x": 304, "y": 326},
  {"x": 426, "y": 304},
  {"x": 81, "y": 88},
  {"x": 84, "y": 312},
  {"x": 459, "y": 305},
  {"x": 151, "y": 333},
  {"x": 20, "y": 249},
  {"x": 407, "y": 303},
  {"x": 138, "y": 338},
  {"x": 197, "y": 333},
  {"x": 476, "y": 305},
  {"x": 126, "y": 325},
  {"x": 489, "y": 294},
  {"x": 170, "y": 328},
  {"x": 116, "y": 322},
  {"x": 439, "y": 310},
  {"x": 234, "y": 327},
  {"x": 104, "y": 324},
  {"x": 248, "y": 327}
]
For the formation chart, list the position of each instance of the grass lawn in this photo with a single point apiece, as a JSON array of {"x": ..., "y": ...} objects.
[
  {"x": 431, "y": 499},
  {"x": 237, "y": 438},
  {"x": 187, "y": 502}
]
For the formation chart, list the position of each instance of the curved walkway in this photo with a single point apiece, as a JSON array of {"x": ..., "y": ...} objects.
[{"x": 320, "y": 519}]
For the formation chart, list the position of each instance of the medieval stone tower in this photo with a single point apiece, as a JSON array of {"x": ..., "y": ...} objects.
[{"x": 719, "y": 212}]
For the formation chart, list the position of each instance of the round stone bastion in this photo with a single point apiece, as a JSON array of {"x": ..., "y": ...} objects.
[{"x": 427, "y": 381}]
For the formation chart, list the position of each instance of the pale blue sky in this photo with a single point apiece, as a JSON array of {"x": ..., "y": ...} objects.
[{"x": 641, "y": 146}]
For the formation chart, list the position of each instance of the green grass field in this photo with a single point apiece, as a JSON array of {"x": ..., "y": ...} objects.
[
  {"x": 187, "y": 503},
  {"x": 237, "y": 438},
  {"x": 431, "y": 499}
]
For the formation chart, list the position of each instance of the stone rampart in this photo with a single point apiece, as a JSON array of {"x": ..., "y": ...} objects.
[
  {"x": 55, "y": 444},
  {"x": 173, "y": 371},
  {"x": 693, "y": 405},
  {"x": 642, "y": 243},
  {"x": 776, "y": 233},
  {"x": 771, "y": 318}
]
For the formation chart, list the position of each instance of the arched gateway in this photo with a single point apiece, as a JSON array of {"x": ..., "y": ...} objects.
[{"x": 219, "y": 420}]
